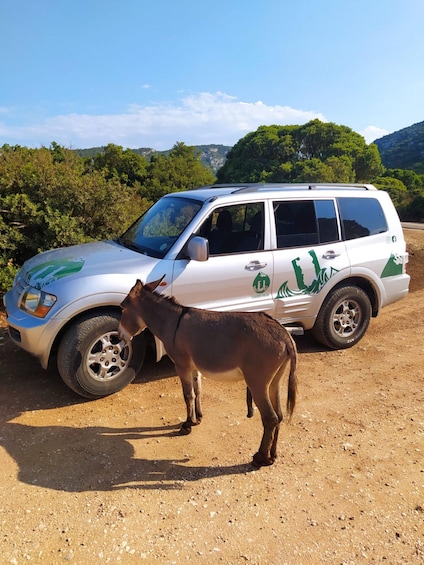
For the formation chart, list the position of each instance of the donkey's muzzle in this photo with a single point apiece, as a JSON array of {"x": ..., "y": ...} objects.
[{"x": 124, "y": 336}]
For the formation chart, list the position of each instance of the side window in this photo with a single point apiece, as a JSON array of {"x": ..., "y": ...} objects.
[
  {"x": 296, "y": 223},
  {"x": 235, "y": 229},
  {"x": 327, "y": 221},
  {"x": 361, "y": 217}
]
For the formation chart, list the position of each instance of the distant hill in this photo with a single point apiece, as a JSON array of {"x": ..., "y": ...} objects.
[
  {"x": 212, "y": 156},
  {"x": 403, "y": 149}
]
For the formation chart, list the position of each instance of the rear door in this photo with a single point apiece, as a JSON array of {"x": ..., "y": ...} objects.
[
  {"x": 238, "y": 274},
  {"x": 309, "y": 252}
]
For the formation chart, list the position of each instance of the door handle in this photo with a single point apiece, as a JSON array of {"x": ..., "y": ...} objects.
[
  {"x": 331, "y": 254},
  {"x": 255, "y": 265}
]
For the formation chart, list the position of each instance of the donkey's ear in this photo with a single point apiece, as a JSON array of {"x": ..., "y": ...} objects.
[
  {"x": 136, "y": 289},
  {"x": 153, "y": 285}
]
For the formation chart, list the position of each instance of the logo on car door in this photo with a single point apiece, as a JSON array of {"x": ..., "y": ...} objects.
[{"x": 322, "y": 275}]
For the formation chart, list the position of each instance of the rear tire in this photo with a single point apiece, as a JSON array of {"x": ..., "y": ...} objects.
[
  {"x": 344, "y": 318},
  {"x": 91, "y": 360}
]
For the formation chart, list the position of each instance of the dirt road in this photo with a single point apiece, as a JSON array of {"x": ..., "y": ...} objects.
[{"x": 110, "y": 482}]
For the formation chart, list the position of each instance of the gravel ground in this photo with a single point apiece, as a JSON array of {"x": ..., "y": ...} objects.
[{"x": 110, "y": 481}]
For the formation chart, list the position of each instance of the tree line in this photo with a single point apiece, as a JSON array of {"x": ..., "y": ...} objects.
[{"x": 52, "y": 197}]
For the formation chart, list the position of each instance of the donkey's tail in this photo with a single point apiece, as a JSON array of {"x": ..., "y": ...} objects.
[{"x": 292, "y": 382}]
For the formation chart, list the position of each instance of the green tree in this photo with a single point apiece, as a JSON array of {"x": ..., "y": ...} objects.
[
  {"x": 395, "y": 187},
  {"x": 413, "y": 182},
  {"x": 115, "y": 162},
  {"x": 180, "y": 170},
  {"x": 48, "y": 199},
  {"x": 311, "y": 152},
  {"x": 414, "y": 210}
]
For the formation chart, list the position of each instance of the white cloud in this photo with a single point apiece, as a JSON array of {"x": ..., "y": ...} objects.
[
  {"x": 371, "y": 133},
  {"x": 197, "y": 119}
]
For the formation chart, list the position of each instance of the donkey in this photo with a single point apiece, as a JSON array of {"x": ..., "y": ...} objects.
[{"x": 225, "y": 346}]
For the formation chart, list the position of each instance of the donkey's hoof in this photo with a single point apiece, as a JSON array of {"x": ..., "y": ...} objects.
[
  {"x": 260, "y": 461},
  {"x": 185, "y": 430}
]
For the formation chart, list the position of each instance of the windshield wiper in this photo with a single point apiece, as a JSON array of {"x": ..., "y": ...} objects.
[{"x": 131, "y": 245}]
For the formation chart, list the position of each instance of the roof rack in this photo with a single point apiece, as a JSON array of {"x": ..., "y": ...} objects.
[{"x": 258, "y": 186}]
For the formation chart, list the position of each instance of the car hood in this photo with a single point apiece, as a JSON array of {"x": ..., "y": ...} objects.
[{"x": 98, "y": 258}]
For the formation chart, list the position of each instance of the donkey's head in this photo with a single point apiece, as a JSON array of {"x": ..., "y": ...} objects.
[{"x": 132, "y": 322}]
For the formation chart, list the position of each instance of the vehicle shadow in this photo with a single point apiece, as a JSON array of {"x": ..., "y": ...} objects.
[{"x": 307, "y": 344}]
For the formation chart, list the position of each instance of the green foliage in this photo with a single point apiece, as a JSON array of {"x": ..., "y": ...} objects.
[
  {"x": 414, "y": 210},
  {"x": 313, "y": 152},
  {"x": 181, "y": 170},
  {"x": 413, "y": 182},
  {"x": 52, "y": 197},
  {"x": 406, "y": 189},
  {"x": 115, "y": 162},
  {"x": 395, "y": 187}
]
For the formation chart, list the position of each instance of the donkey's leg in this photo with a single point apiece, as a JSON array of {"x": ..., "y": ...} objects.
[
  {"x": 270, "y": 423},
  {"x": 197, "y": 379},
  {"x": 275, "y": 397},
  {"x": 187, "y": 381}
]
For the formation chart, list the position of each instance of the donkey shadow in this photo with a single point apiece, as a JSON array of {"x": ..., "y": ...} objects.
[
  {"x": 78, "y": 459},
  {"x": 90, "y": 458},
  {"x": 99, "y": 458}
]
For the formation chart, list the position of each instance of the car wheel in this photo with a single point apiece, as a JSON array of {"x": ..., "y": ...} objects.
[
  {"x": 91, "y": 359},
  {"x": 344, "y": 318}
]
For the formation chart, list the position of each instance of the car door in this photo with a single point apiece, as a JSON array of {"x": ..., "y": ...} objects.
[
  {"x": 309, "y": 252},
  {"x": 238, "y": 273}
]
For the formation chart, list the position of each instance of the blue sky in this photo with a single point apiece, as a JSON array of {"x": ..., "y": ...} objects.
[{"x": 150, "y": 73}]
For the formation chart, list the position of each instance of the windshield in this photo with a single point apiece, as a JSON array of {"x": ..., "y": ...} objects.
[{"x": 156, "y": 230}]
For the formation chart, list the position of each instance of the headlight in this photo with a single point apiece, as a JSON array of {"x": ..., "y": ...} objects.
[{"x": 37, "y": 302}]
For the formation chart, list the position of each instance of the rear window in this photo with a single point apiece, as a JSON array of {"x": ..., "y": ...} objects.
[{"x": 361, "y": 217}]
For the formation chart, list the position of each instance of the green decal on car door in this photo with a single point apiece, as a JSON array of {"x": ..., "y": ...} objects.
[
  {"x": 323, "y": 274},
  {"x": 261, "y": 283}
]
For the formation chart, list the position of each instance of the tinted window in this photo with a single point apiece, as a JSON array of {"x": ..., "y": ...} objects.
[
  {"x": 361, "y": 217},
  {"x": 235, "y": 229},
  {"x": 327, "y": 221},
  {"x": 305, "y": 222},
  {"x": 295, "y": 223}
]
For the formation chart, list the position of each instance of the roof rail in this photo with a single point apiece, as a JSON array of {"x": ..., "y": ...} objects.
[
  {"x": 257, "y": 186},
  {"x": 254, "y": 187}
]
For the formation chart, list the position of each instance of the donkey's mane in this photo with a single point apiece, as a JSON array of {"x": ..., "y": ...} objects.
[{"x": 169, "y": 299}]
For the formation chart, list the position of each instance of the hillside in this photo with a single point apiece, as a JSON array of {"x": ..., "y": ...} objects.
[
  {"x": 403, "y": 149},
  {"x": 212, "y": 155}
]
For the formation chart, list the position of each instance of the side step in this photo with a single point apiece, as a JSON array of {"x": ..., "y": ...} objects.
[{"x": 293, "y": 330}]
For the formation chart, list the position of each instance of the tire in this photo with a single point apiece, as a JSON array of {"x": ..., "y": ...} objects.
[
  {"x": 344, "y": 318},
  {"x": 91, "y": 360}
]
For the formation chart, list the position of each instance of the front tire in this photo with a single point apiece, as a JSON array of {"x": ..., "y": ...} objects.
[
  {"x": 91, "y": 360},
  {"x": 344, "y": 318}
]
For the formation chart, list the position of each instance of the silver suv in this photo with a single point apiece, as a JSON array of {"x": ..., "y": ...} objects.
[{"x": 324, "y": 258}]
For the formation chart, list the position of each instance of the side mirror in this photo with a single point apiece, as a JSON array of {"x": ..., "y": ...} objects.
[{"x": 198, "y": 248}]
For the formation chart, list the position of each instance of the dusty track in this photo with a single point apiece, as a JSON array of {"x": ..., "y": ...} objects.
[{"x": 109, "y": 481}]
